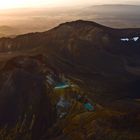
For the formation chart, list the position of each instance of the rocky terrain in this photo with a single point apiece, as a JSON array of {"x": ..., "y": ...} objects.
[
  {"x": 79, "y": 80},
  {"x": 87, "y": 50}
]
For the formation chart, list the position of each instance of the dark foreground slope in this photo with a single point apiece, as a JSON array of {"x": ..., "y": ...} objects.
[
  {"x": 29, "y": 108},
  {"x": 24, "y": 102}
]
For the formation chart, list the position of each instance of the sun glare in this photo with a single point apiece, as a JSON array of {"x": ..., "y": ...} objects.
[
  {"x": 8, "y": 4},
  {"x": 4, "y": 4}
]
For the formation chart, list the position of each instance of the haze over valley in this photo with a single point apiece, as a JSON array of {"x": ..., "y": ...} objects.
[{"x": 19, "y": 21}]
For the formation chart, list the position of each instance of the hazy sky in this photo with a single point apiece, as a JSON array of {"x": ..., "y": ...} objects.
[{"x": 6, "y": 4}]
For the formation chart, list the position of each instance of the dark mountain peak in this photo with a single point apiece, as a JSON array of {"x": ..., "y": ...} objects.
[
  {"x": 82, "y": 23},
  {"x": 78, "y": 30}
]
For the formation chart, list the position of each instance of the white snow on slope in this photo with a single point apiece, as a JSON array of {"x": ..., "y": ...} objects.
[
  {"x": 129, "y": 39},
  {"x": 135, "y": 38},
  {"x": 124, "y": 39}
]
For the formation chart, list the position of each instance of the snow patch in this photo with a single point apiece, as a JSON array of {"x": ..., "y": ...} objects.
[
  {"x": 125, "y": 39},
  {"x": 130, "y": 39},
  {"x": 135, "y": 38}
]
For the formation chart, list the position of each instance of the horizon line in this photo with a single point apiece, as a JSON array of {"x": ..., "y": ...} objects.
[{"x": 66, "y": 6}]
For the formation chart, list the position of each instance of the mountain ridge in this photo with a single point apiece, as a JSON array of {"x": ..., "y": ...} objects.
[{"x": 85, "y": 49}]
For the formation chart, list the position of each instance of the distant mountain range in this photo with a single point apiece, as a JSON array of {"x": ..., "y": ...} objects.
[
  {"x": 116, "y": 16},
  {"x": 6, "y": 31}
]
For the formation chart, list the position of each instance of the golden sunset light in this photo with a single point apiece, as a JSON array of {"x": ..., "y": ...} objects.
[
  {"x": 6, "y": 4},
  {"x": 32, "y": 3}
]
